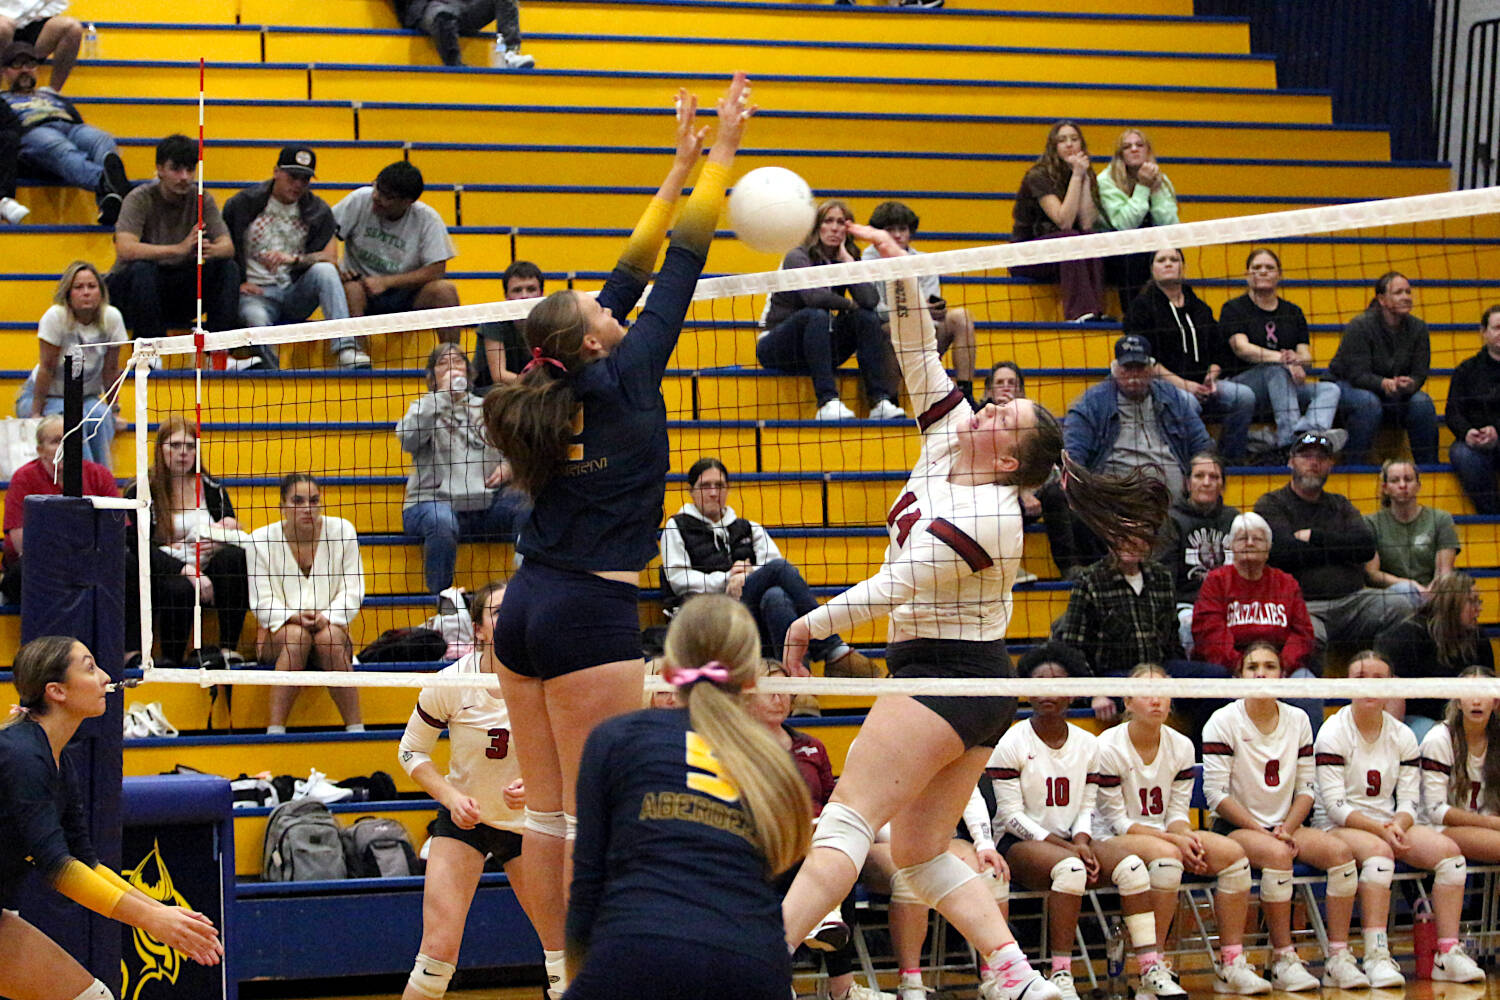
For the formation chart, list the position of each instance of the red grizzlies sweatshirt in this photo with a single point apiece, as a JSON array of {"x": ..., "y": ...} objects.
[{"x": 1232, "y": 612}]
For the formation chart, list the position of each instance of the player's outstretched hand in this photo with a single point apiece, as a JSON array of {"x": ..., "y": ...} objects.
[
  {"x": 735, "y": 109},
  {"x": 878, "y": 238},
  {"x": 690, "y": 135}
]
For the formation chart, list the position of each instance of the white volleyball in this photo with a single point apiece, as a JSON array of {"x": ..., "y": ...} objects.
[{"x": 771, "y": 210}]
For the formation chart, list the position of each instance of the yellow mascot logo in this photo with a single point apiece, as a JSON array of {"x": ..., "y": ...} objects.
[{"x": 156, "y": 961}]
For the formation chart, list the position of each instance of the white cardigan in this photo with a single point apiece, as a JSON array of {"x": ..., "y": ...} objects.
[{"x": 335, "y": 586}]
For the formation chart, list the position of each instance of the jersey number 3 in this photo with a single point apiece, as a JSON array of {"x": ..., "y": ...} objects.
[
  {"x": 716, "y": 782},
  {"x": 903, "y": 519},
  {"x": 499, "y": 744}
]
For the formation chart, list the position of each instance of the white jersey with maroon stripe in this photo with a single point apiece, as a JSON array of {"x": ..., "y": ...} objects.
[
  {"x": 481, "y": 760},
  {"x": 1039, "y": 790},
  {"x": 1437, "y": 777},
  {"x": 1132, "y": 791},
  {"x": 1263, "y": 772},
  {"x": 1378, "y": 778},
  {"x": 954, "y": 549}
]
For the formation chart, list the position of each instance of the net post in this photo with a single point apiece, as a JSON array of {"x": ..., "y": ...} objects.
[
  {"x": 142, "y": 363},
  {"x": 72, "y": 478}
]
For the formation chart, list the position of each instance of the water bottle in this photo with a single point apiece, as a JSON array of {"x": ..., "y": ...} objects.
[
  {"x": 1423, "y": 938},
  {"x": 1114, "y": 951},
  {"x": 497, "y": 54},
  {"x": 90, "y": 41}
]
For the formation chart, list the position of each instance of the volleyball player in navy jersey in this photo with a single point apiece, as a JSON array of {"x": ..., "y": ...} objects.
[
  {"x": 955, "y": 548},
  {"x": 42, "y": 827},
  {"x": 585, "y": 431}
]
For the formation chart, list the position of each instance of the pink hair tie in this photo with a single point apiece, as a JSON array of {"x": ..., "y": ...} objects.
[
  {"x": 538, "y": 358},
  {"x": 682, "y": 677},
  {"x": 17, "y": 711}
]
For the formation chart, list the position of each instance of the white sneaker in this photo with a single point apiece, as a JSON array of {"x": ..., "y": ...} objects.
[
  {"x": 912, "y": 991},
  {"x": 834, "y": 409},
  {"x": 831, "y": 934},
  {"x": 1239, "y": 978},
  {"x": 1381, "y": 970},
  {"x": 1338, "y": 437},
  {"x": 1455, "y": 967},
  {"x": 887, "y": 410},
  {"x": 317, "y": 786},
  {"x": 1032, "y": 987},
  {"x": 1290, "y": 975},
  {"x": 13, "y": 211},
  {"x": 857, "y": 992},
  {"x": 1341, "y": 972},
  {"x": 1158, "y": 981},
  {"x": 1063, "y": 980},
  {"x": 136, "y": 725},
  {"x": 156, "y": 720},
  {"x": 353, "y": 358},
  {"x": 515, "y": 59}
]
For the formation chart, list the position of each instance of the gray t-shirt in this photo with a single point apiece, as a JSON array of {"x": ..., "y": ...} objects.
[
  {"x": 928, "y": 285},
  {"x": 1410, "y": 550},
  {"x": 151, "y": 218},
  {"x": 373, "y": 245},
  {"x": 60, "y": 329},
  {"x": 1142, "y": 443}
]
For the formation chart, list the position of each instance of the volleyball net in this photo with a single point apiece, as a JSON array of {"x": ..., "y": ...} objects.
[{"x": 821, "y": 489}]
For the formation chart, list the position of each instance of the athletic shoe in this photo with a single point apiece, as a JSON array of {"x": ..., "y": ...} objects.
[
  {"x": 834, "y": 409},
  {"x": 13, "y": 211},
  {"x": 887, "y": 410},
  {"x": 1341, "y": 972},
  {"x": 831, "y": 934},
  {"x": 1381, "y": 970},
  {"x": 929, "y": 4},
  {"x": 156, "y": 720},
  {"x": 1455, "y": 967},
  {"x": 1158, "y": 981},
  {"x": 1338, "y": 437},
  {"x": 1063, "y": 980},
  {"x": 856, "y": 992},
  {"x": 1290, "y": 975},
  {"x": 109, "y": 209},
  {"x": 115, "y": 178},
  {"x": 912, "y": 991},
  {"x": 515, "y": 59},
  {"x": 317, "y": 786},
  {"x": 1032, "y": 987},
  {"x": 852, "y": 663},
  {"x": 353, "y": 359},
  {"x": 136, "y": 726},
  {"x": 1239, "y": 978}
]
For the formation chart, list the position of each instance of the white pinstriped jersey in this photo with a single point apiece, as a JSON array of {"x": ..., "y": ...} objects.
[
  {"x": 481, "y": 762},
  {"x": 1131, "y": 791},
  {"x": 1378, "y": 778},
  {"x": 1039, "y": 790},
  {"x": 1437, "y": 777},
  {"x": 1263, "y": 772}
]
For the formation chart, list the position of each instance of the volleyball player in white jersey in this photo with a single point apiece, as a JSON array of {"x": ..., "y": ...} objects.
[
  {"x": 1369, "y": 787},
  {"x": 1461, "y": 774},
  {"x": 474, "y": 820},
  {"x": 1146, "y": 772},
  {"x": 1258, "y": 779},
  {"x": 955, "y": 547}
]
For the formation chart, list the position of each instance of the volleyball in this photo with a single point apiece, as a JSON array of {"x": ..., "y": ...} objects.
[{"x": 771, "y": 209}]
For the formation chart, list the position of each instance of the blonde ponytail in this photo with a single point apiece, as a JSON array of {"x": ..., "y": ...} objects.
[{"x": 714, "y": 628}]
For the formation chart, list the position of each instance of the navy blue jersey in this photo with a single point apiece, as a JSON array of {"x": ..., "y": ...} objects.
[
  {"x": 663, "y": 843},
  {"x": 42, "y": 823},
  {"x": 603, "y": 508}
]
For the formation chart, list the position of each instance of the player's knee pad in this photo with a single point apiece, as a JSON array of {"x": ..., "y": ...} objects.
[
  {"x": 1343, "y": 880},
  {"x": 1131, "y": 876},
  {"x": 1450, "y": 871},
  {"x": 935, "y": 878},
  {"x": 1166, "y": 874},
  {"x": 570, "y": 826},
  {"x": 1377, "y": 871},
  {"x": 999, "y": 888},
  {"x": 846, "y": 831},
  {"x": 1235, "y": 878},
  {"x": 1070, "y": 877},
  {"x": 95, "y": 991},
  {"x": 901, "y": 889},
  {"x": 1276, "y": 885},
  {"x": 549, "y": 824},
  {"x": 430, "y": 977}
]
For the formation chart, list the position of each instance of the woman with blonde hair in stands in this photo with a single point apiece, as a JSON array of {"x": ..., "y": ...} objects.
[
  {"x": 1461, "y": 774},
  {"x": 682, "y": 814},
  {"x": 1134, "y": 193}
]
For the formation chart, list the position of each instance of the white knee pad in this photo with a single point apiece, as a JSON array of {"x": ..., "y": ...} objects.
[
  {"x": 430, "y": 977},
  {"x": 550, "y": 824},
  {"x": 1450, "y": 871},
  {"x": 847, "y": 832},
  {"x": 1070, "y": 877},
  {"x": 901, "y": 889},
  {"x": 1235, "y": 878},
  {"x": 95, "y": 991},
  {"x": 999, "y": 888},
  {"x": 570, "y": 826},
  {"x": 1130, "y": 876},
  {"x": 1166, "y": 874},
  {"x": 936, "y": 877},
  {"x": 1377, "y": 871},
  {"x": 1276, "y": 885},
  {"x": 1343, "y": 880}
]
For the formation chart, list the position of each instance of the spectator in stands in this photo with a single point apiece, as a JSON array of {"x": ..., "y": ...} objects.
[
  {"x": 284, "y": 244},
  {"x": 11, "y": 211},
  {"x": 1441, "y": 638},
  {"x": 191, "y": 547},
  {"x": 456, "y": 489},
  {"x": 500, "y": 350},
  {"x": 1134, "y": 193},
  {"x": 306, "y": 587},
  {"x": 1059, "y": 196},
  {"x": 40, "y": 23},
  {"x": 1269, "y": 351},
  {"x": 1194, "y": 539},
  {"x": 954, "y": 327},
  {"x": 396, "y": 248},
  {"x": 80, "y": 314},
  {"x": 1473, "y": 415},
  {"x": 1381, "y": 365},
  {"x": 814, "y": 330},
  {"x": 1189, "y": 349},
  {"x": 155, "y": 277},
  {"x": 1413, "y": 543},
  {"x": 1004, "y": 382},
  {"x": 41, "y": 476},
  {"x": 1322, "y": 540},
  {"x": 446, "y": 20},
  {"x": 55, "y": 140},
  {"x": 706, "y": 548}
]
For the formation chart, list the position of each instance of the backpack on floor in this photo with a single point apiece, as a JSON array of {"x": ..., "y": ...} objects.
[
  {"x": 375, "y": 847},
  {"x": 302, "y": 844}
]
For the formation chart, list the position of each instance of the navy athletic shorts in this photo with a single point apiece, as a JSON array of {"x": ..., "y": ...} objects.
[{"x": 557, "y": 621}]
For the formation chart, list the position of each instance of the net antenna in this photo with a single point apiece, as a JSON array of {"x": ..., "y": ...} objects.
[{"x": 197, "y": 640}]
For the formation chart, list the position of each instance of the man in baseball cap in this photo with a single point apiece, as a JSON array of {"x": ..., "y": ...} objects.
[{"x": 284, "y": 242}]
